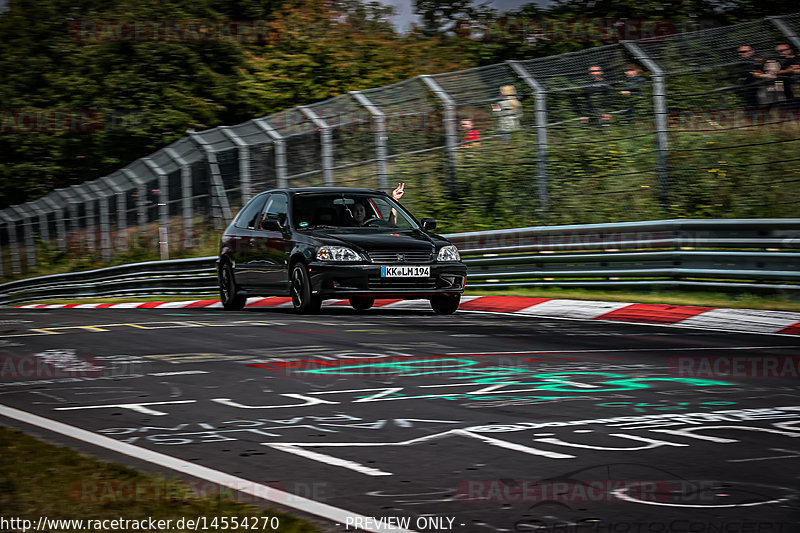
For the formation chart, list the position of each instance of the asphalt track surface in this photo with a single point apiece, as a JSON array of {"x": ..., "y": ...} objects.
[{"x": 473, "y": 422}]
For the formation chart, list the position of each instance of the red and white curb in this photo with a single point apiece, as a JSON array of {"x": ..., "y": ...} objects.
[{"x": 739, "y": 320}]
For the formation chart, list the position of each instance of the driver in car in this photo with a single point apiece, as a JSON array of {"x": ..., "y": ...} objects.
[{"x": 359, "y": 212}]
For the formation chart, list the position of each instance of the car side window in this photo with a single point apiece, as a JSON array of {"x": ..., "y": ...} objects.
[
  {"x": 249, "y": 215},
  {"x": 387, "y": 212},
  {"x": 276, "y": 209}
]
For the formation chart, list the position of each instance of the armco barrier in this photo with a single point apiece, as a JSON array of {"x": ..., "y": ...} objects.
[{"x": 733, "y": 254}]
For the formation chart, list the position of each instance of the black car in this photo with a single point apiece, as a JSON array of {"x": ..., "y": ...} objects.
[{"x": 328, "y": 242}]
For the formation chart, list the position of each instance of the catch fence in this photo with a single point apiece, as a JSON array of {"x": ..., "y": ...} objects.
[{"x": 691, "y": 140}]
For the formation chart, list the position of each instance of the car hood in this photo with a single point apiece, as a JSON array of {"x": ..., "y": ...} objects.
[{"x": 397, "y": 239}]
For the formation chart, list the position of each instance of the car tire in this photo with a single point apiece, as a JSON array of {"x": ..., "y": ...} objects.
[
  {"x": 300, "y": 289},
  {"x": 361, "y": 303},
  {"x": 445, "y": 304},
  {"x": 229, "y": 290}
]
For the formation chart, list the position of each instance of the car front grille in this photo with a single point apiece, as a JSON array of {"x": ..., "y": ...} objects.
[
  {"x": 377, "y": 283},
  {"x": 401, "y": 256}
]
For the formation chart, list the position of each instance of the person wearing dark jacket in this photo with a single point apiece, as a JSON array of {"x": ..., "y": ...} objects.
[
  {"x": 749, "y": 76},
  {"x": 789, "y": 73},
  {"x": 596, "y": 98},
  {"x": 634, "y": 86}
]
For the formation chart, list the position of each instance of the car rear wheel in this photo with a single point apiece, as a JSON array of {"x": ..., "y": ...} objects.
[
  {"x": 445, "y": 304},
  {"x": 303, "y": 300},
  {"x": 229, "y": 291},
  {"x": 361, "y": 303}
]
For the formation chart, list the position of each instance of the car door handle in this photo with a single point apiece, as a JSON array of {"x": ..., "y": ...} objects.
[{"x": 251, "y": 242}]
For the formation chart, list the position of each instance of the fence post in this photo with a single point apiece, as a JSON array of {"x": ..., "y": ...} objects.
[
  {"x": 786, "y": 30},
  {"x": 58, "y": 214},
  {"x": 451, "y": 135},
  {"x": 216, "y": 179},
  {"x": 280, "y": 150},
  {"x": 325, "y": 142},
  {"x": 88, "y": 202},
  {"x": 105, "y": 237},
  {"x": 141, "y": 199},
  {"x": 163, "y": 211},
  {"x": 540, "y": 110},
  {"x": 186, "y": 196},
  {"x": 13, "y": 247},
  {"x": 660, "y": 111},
  {"x": 122, "y": 214},
  {"x": 243, "y": 149},
  {"x": 41, "y": 212},
  {"x": 379, "y": 119},
  {"x": 26, "y": 219},
  {"x": 72, "y": 216}
]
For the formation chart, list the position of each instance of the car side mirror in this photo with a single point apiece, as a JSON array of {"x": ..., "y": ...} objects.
[
  {"x": 428, "y": 224},
  {"x": 270, "y": 224}
]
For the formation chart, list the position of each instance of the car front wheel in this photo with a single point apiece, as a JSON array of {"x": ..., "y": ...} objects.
[
  {"x": 445, "y": 304},
  {"x": 303, "y": 300},
  {"x": 229, "y": 291},
  {"x": 361, "y": 303}
]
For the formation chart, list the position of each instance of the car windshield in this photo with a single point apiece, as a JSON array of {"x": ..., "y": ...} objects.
[{"x": 349, "y": 210}]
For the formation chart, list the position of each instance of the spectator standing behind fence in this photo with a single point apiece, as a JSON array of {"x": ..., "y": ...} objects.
[
  {"x": 771, "y": 92},
  {"x": 596, "y": 98},
  {"x": 508, "y": 111},
  {"x": 749, "y": 74},
  {"x": 472, "y": 136},
  {"x": 634, "y": 85},
  {"x": 789, "y": 73}
]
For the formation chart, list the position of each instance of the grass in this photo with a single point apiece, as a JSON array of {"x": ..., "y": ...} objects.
[{"x": 40, "y": 479}]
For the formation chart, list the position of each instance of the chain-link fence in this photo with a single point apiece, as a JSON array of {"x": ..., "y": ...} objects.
[{"x": 674, "y": 126}]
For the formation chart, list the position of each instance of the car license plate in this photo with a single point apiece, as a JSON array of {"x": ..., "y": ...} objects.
[{"x": 405, "y": 271}]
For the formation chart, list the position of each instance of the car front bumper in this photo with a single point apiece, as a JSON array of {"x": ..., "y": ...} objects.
[{"x": 343, "y": 280}]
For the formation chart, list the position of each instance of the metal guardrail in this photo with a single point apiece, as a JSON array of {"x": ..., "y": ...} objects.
[
  {"x": 189, "y": 277},
  {"x": 733, "y": 254}
]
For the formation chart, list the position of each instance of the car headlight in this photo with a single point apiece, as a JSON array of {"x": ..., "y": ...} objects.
[
  {"x": 448, "y": 253},
  {"x": 337, "y": 253}
]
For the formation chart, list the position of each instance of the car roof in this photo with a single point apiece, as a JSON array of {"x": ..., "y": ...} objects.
[{"x": 339, "y": 190}]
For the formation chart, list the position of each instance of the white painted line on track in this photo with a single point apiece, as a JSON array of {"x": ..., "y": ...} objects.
[
  {"x": 572, "y": 308},
  {"x": 201, "y": 472},
  {"x": 755, "y": 321},
  {"x": 330, "y": 460},
  {"x": 408, "y": 304},
  {"x": 178, "y": 373},
  {"x": 794, "y": 453},
  {"x": 176, "y": 305}
]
